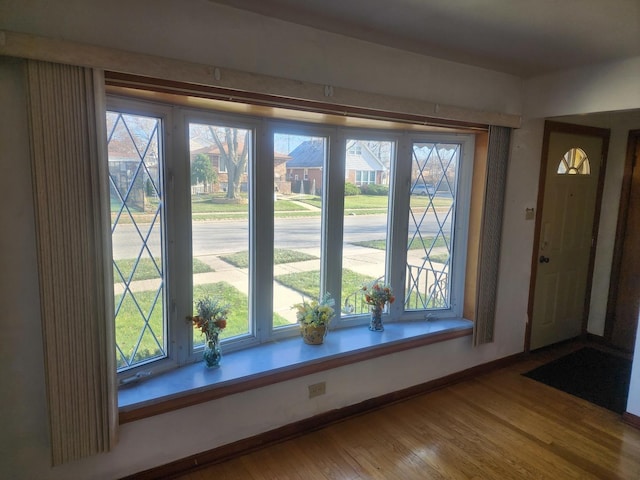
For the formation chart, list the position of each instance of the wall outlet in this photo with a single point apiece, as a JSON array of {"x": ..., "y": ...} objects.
[{"x": 317, "y": 389}]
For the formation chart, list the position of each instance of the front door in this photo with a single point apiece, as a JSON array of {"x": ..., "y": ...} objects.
[{"x": 573, "y": 162}]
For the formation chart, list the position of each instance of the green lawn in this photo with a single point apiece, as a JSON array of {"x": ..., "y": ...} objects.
[
  {"x": 381, "y": 244},
  {"x": 129, "y": 322},
  {"x": 207, "y": 203},
  {"x": 238, "y": 320},
  {"x": 147, "y": 270},
  {"x": 280, "y": 255},
  {"x": 308, "y": 283},
  {"x": 204, "y": 207}
]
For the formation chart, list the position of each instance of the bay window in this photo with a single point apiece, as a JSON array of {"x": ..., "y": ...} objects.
[{"x": 260, "y": 214}]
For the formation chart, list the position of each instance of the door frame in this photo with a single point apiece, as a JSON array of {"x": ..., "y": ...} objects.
[
  {"x": 621, "y": 229},
  {"x": 559, "y": 127}
]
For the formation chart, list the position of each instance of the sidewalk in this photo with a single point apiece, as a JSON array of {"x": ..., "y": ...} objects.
[
  {"x": 363, "y": 260},
  {"x": 366, "y": 261}
]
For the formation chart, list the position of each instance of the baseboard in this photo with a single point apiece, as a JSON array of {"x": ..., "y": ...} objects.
[
  {"x": 631, "y": 419},
  {"x": 296, "y": 429}
]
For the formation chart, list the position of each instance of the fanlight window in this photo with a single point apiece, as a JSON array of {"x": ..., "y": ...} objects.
[{"x": 574, "y": 162}]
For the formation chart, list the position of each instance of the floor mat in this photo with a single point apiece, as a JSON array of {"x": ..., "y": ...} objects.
[{"x": 596, "y": 376}]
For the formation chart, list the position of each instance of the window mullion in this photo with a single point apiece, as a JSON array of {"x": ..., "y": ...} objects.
[
  {"x": 261, "y": 238},
  {"x": 179, "y": 239},
  {"x": 399, "y": 224},
  {"x": 333, "y": 228}
]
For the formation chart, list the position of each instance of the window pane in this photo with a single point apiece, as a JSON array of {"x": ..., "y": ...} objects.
[
  {"x": 219, "y": 155},
  {"x": 297, "y": 222},
  {"x": 432, "y": 206},
  {"x": 137, "y": 232},
  {"x": 365, "y": 220}
]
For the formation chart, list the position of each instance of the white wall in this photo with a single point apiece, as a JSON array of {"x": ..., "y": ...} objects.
[
  {"x": 606, "y": 96},
  {"x": 593, "y": 89},
  {"x": 199, "y": 31},
  {"x": 203, "y": 32}
]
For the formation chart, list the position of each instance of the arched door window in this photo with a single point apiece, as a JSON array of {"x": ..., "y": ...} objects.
[{"x": 574, "y": 162}]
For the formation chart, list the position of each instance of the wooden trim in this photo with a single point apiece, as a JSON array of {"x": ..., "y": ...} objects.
[
  {"x": 536, "y": 234},
  {"x": 297, "y": 429},
  {"x": 605, "y": 135},
  {"x": 24, "y": 45},
  {"x": 631, "y": 419},
  {"x": 558, "y": 127},
  {"x": 269, "y": 378},
  {"x": 128, "y": 81},
  {"x": 621, "y": 230}
]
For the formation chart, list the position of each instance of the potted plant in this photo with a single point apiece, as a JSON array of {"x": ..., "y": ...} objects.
[
  {"x": 377, "y": 296},
  {"x": 314, "y": 318},
  {"x": 211, "y": 321}
]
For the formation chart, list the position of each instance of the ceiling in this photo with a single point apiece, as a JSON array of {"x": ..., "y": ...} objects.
[{"x": 520, "y": 37}]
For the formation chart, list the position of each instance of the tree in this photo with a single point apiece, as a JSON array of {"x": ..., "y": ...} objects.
[
  {"x": 202, "y": 171},
  {"x": 232, "y": 144}
]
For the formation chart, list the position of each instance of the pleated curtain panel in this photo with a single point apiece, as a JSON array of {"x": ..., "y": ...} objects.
[
  {"x": 491, "y": 233},
  {"x": 66, "y": 146}
]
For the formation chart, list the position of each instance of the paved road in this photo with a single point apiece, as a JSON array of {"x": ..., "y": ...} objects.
[{"x": 231, "y": 235}]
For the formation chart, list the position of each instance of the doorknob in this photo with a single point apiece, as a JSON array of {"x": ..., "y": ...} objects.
[{"x": 544, "y": 259}]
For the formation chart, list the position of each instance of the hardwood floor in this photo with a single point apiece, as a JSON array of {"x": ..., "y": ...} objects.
[{"x": 499, "y": 426}]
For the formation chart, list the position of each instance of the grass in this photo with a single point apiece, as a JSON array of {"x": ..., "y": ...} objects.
[
  {"x": 199, "y": 217},
  {"x": 129, "y": 324},
  {"x": 381, "y": 244},
  {"x": 439, "y": 257},
  {"x": 205, "y": 208},
  {"x": 146, "y": 269},
  {"x": 129, "y": 321},
  {"x": 241, "y": 259},
  {"x": 308, "y": 283},
  {"x": 207, "y": 204},
  {"x": 237, "y": 322}
]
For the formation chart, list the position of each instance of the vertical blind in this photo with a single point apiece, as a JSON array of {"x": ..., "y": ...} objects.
[
  {"x": 491, "y": 232},
  {"x": 70, "y": 224}
]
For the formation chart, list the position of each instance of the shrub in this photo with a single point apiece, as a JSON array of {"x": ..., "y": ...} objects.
[
  {"x": 351, "y": 189},
  {"x": 373, "y": 189}
]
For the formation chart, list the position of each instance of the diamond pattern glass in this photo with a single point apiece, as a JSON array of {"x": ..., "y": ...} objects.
[
  {"x": 434, "y": 174},
  {"x": 137, "y": 232}
]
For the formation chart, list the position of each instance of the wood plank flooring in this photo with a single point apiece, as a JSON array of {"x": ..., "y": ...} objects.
[{"x": 499, "y": 426}]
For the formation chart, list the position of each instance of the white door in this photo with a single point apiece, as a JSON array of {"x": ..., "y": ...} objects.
[{"x": 566, "y": 236}]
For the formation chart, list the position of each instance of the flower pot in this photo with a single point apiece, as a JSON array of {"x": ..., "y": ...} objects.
[{"x": 313, "y": 335}]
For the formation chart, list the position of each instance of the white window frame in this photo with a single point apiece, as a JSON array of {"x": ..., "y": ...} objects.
[
  {"x": 136, "y": 107},
  {"x": 178, "y": 251}
]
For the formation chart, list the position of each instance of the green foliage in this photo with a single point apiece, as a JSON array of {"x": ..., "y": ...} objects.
[
  {"x": 373, "y": 189},
  {"x": 202, "y": 171},
  {"x": 351, "y": 189}
]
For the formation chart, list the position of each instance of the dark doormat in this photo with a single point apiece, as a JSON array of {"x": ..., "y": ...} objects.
[{"x": 596, "y": 376}]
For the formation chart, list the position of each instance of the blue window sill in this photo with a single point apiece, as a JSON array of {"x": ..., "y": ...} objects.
[{"x": 278, "y": 361}]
